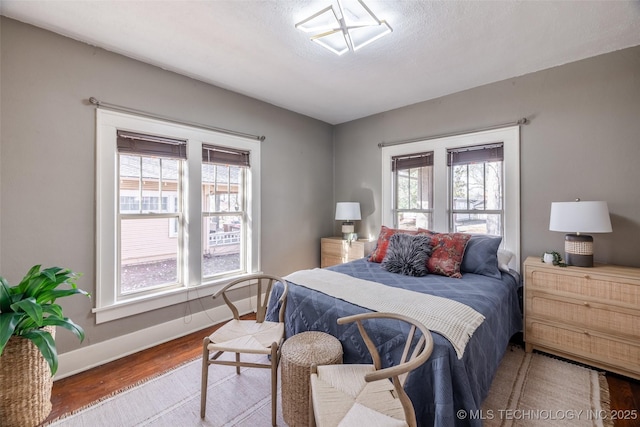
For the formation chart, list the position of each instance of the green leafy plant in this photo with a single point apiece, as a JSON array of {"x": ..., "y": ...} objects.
[
  {"x": 557, "y": 258},
  {"x": 25, "y": 309}
]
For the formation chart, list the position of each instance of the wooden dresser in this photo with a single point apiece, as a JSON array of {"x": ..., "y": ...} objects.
[
  {"x": 334, "y": 250},
  {"x": 590, "y": 315}
]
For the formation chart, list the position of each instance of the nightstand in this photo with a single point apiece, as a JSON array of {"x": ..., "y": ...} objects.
[
  {"x": 335, "y": 250},
  {"x": 590, "y": 315}
]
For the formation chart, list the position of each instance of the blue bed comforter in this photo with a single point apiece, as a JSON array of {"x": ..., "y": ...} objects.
[{"x": 446, "y": 391}]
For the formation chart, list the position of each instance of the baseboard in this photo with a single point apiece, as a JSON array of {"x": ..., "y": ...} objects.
[{"x": 85, "y": 358}]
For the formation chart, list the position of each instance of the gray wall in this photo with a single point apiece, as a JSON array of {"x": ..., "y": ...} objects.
[
  {"x": 583, "y": 141},
  {"x": 47, "y": 150}
]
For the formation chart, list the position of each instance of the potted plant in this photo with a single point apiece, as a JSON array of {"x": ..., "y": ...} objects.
[
  {"x": 28, "y": 355},
  {"x": 553, "y": 257}
]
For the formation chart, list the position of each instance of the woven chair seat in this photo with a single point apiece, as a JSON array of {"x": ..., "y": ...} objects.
[
  {"x": 238, "y": 336},
  {"x": 342, "y": 397},
  {"x": 246, "y": 336},
  {"x": 370, "y": 395}
]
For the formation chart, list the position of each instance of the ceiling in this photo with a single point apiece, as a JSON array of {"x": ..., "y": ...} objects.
[{"x": 251, "y": 47}]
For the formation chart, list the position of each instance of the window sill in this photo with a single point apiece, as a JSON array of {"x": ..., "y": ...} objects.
[{"x": 132, "y": 307}]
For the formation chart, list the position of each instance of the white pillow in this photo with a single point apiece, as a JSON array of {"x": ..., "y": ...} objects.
[{"x": 504, "y": 258}]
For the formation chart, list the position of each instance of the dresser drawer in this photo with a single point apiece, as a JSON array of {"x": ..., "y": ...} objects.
[
  {"x": 620, "y": 290},
  {"x": 585, "y": 313},
  {"x": 329, "y": 260},
  {"x": 334, "y": 250},
  {"x": 589, "y": 346}
]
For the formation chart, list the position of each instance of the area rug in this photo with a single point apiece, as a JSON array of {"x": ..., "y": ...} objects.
[
  {"x": 173, "y": 399},
  {"x": 529, "y": 390},
  {"x": 532, "y": 389}
]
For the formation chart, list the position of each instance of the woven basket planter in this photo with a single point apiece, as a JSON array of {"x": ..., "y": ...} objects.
[{"x": 26, "y": 382}]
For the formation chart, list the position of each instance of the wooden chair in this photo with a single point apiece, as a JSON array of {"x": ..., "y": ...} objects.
[
  {"x": 362, "y": 395},
  {"x": 247, "y": 336}
]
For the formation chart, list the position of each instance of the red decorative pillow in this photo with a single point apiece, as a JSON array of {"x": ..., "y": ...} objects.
[
  {"x": 380, "y": 251},
  {"x": 448, "y": 250}
]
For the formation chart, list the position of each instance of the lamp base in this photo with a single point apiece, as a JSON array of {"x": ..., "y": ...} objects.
[
  {"x": 350, "y": 237},
  {"x": 348, "y": 229},
  {"x": 578, "y": 250}
]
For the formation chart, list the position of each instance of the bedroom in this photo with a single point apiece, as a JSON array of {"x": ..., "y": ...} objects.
[{"x": 582, "y": 142}]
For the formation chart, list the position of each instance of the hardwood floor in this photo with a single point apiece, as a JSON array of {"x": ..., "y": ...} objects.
[
  {"x": 77, "y": 391},
  {"x": 625, "y": 400}
]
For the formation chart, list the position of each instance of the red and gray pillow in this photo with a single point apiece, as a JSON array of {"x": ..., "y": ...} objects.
[{"x": 448, "y": 251}]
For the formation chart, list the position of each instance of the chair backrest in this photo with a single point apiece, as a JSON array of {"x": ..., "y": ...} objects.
[
  {"x": 416, "y": 351},
  {"x": 264, "y": 284}
]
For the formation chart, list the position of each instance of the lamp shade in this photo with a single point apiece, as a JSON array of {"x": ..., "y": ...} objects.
[
  {"x": 347, "y": 211},
  {"x": 580, "y": 217}
]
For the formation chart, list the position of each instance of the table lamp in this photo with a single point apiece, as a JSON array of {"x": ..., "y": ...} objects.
[
  {"x": 576, "y": 218},
  {"x": 348, "y": 212}
]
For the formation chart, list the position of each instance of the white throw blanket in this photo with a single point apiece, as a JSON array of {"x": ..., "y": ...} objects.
[{"x": 451, "y": 319}]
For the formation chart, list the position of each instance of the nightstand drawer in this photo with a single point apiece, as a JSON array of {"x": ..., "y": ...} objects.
[
  {"x": 625, "y": 291},
  {"x": 329, "y": 260},
  {"x": 587, "y": 345},
  {"x": 334, "y": 247},
  {"x": 591, "y": 315},
  {"x": 334, "y": 250},
  {"x": 584, "y": 313}
]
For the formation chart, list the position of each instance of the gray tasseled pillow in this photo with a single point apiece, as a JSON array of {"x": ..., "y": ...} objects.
[{"x": 407, "y": 255}]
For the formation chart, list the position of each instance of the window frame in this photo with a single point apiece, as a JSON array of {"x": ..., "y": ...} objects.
[
  {"x": 396, "y": 168},
  {"x": 151, "y": 213},
  {"x": 509, "y": 136},
  {"x": 478, "y": 161},
  {"x": 238, "y": 159},
  {"x": 107, "y": 304}
]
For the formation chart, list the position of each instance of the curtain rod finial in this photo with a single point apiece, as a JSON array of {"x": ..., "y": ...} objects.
[{"x": 94, "y": 101}]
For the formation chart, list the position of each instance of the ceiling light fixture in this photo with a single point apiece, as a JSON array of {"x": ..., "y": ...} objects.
[{"x": 354, "y": 27}]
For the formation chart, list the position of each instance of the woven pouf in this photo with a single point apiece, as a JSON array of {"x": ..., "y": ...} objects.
[{"x": 298, "y": 354}]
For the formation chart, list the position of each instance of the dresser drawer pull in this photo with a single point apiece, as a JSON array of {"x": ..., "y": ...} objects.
[
  {"x": 586, "y": 276},
  {"x": 586, "y": 304},
  {"x": 586, "y": 332}
]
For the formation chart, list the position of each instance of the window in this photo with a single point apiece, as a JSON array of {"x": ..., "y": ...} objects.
[
  {"x": 464, "y": 183},
  {"x": 223, "y": 210},
  {"x": 413, "y": 201},
  {"x": 476, "y": 189},
  {"x": 150, "y": 171},
  {"x": 177, "y": 210}
]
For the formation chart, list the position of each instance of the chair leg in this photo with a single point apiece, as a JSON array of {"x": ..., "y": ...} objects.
[
  {"x": 274, "y": 383},
  {"x": 205, "y": 377},
  {"x": 312, "y": 415},
  {"x": 238, "y": 363}
]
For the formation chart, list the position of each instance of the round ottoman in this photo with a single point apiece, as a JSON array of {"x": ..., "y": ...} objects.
[{"x": 297, "y": 355}]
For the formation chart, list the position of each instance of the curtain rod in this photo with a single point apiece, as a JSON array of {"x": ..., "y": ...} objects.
[
  {"x": 101, "y": 104},
  {"x": 522, "y": 121}
]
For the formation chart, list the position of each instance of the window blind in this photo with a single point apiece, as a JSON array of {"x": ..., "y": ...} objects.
[
  {"x": 150, "y": 145},
  {"x": 477, "y": 154},
  {"x": 225, "y": 156},
  {"x": 411, "y": 161}
]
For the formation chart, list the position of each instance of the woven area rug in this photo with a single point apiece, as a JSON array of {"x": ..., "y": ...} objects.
[
  {"x": 529, "y": 390},
  {"x": 532, "y": 389},
  {"x": 173, "y": 399}
]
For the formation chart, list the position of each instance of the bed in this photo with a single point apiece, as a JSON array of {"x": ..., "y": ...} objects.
[{"x": 450, "y": 386}]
